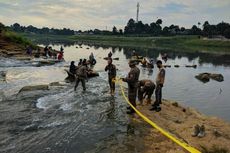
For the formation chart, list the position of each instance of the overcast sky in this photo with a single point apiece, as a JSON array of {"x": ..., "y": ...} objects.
[{"x": 91, "y": 14}]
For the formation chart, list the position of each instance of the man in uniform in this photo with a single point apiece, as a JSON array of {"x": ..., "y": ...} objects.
[
  {"x": 81, "y": 74},
  {"x": 72, "y": 68},
  {"x": 145, "y": 88},
  {"x": 132, "y": 80},
  {"x": 159, "y": 84},
  {"x": 111, "y": 74}
]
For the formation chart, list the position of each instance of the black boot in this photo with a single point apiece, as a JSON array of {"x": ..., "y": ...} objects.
[
  {"x": 131, "y": 111},
  {"x": 155, "y": 108}
]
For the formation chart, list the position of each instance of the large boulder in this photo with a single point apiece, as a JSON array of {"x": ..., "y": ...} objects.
[
  {"x": 203, "y": 77},
  {"x": 34, "y": 88},
  {"x": 217, "y": 77}
]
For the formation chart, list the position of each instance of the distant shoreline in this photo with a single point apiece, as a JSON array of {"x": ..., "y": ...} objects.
[{"x": 172, "y": 43}]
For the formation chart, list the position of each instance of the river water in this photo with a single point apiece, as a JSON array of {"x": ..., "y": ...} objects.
[{"x": 61, "y": 120}]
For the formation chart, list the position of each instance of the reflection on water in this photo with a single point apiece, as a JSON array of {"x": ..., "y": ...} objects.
[
  {"x": 180, "y": 82},
  {"x": 93, "y": 121}
]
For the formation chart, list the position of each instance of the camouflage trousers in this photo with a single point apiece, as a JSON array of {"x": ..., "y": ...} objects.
[{"x": 132, "y": 94}]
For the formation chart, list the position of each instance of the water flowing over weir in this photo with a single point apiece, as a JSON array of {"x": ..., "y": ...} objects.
[{"x": 65, "y": 121}]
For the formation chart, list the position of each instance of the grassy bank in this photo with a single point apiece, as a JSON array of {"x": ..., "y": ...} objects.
[
  {"x": 174, "y": 43},
  {"x": 13, "y": 37}
]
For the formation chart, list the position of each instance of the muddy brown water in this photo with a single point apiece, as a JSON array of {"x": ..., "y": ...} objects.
[{"x": 60, "y": 120}]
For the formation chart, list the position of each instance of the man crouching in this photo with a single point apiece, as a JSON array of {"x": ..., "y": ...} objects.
[{"x": 145, "y": 88}]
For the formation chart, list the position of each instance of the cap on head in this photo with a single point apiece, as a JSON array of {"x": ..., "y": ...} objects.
[
  {"x": 132, "y": 63},
  {"x": 159, "y": 62}
]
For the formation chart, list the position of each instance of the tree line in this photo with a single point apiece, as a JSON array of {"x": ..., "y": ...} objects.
[
  {"x": 45, "y": 30},
  {"x": 138, "y": 29},
  {"x": 155, "y": 29}
]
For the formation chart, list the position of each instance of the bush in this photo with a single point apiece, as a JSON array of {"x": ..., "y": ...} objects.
[{"x": 13, "y": 37}]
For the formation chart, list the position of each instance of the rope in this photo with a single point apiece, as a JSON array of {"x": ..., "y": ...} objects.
[{"x": 167, "y": 134}]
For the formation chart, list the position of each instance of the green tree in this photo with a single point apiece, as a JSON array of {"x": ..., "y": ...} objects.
[
  {"x": 2, "y": 27},
  {"x": 159, "y": 21},
  {"x": 140, "y": 28},
  {"x": 166, "y": 31},
  {"x": 155, "y": 29},
  {"x": 130, "y": 28},
  {"x": 221, "y": 28},
  {"x": 16, "y": 27},
  {"x": 120, "y": 31},
  {"x": 195, "y": 30},
  {"x": 115, "y": 32}
]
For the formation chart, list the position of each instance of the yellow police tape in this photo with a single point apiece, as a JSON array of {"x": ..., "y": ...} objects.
[{"x": 167, "y": 134}]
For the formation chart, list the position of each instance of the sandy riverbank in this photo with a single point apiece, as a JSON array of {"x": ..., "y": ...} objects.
[{"x": 180, "y": 121}]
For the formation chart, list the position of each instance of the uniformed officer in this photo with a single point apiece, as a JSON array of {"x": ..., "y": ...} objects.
[
  {"x": 145, "y": 88},
  {"x": 81, "y": 75},
  {"x": 111, "y": 68},
  {"x": 159, "y": 84},
  {"x": 132, "y": 80}
]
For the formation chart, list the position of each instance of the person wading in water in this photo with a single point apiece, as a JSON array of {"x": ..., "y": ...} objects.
[
  {"x": 81, "y": 75},
  {"x": 111, "y": 75}
]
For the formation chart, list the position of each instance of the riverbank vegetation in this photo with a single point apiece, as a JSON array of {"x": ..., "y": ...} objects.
[
  {"x": 138, "y": 29},
  {"x": 8, "y": 35},
  {"x": 200, "y": 38},
  {"x": 174, "y": 43}
]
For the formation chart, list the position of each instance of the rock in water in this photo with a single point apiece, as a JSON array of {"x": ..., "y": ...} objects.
[
  {"x": 176, "y": 66},
  {"x": 2, "y": 75},
  {"x": 33, "y": 88},
  {"x": 203, "y": 77},
  {"x": 217, "y": 77},
  {"x": 56, "y": 84}
]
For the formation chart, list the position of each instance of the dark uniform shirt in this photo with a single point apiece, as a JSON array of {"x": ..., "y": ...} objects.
[
  {"x": 133, "y": 77},
  {"x": 72, "y": 69},
  {"x": 111, "y": 70},
  {"x": 146, "y": 84},
  {"x": 82, "y": 71}
]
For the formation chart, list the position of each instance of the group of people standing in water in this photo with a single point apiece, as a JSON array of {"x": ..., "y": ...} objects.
[
  {"x": 50, "y": 53},
  {"x": 136, "y": 88}
]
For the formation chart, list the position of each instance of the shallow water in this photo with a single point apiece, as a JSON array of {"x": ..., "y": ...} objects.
[
  {"x": 61, "y": 120},
  {"x": 211, "y": 98}
]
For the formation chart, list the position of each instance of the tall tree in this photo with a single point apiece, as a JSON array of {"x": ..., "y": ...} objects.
[
  {"x": 16, "y": 27},
  {"x": 120, "y": 31},
  {"x": 130, "y": 28},
  {"x": 159, "y": 21},
  {"x": 115, "y": 32}
]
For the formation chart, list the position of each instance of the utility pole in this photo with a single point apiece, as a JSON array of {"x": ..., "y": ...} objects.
[{"x": 138, "y": 6}]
